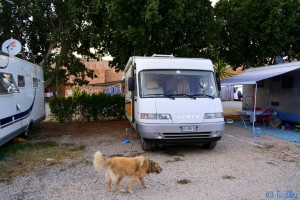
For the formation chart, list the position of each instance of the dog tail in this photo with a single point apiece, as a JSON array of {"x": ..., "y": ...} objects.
[{"x": 99, "y": 162}]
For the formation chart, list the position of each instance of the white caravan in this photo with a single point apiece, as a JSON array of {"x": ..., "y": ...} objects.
[
  {"x": 171, "y": 100},
  {"x": 21, "y": 97}
]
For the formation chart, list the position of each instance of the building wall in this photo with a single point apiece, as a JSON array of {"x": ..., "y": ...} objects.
[{"x": 104, "y": 73}]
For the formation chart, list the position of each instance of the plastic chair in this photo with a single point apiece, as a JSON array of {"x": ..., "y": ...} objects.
[{"x": 266, "y": 116}]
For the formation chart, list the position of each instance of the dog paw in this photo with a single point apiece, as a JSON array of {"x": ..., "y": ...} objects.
[
  {"x": 122, "y": 190},
  {"x": 130, "y": 191},
  {"x": 145, "y": 186}
]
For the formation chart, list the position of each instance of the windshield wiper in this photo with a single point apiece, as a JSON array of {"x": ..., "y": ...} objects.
[
  {"x": 202, "y": 95},
  {"x": 171, "y": 96},
  {"x": 193, "y": 96}
]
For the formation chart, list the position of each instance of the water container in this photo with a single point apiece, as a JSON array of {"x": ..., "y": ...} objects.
[{"x": 256, "y": 132}]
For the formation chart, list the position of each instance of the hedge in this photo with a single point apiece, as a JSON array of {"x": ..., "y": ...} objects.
[{"x": 85, "y": 107}]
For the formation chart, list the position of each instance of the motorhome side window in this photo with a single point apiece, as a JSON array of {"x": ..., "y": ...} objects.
[
  {"x": 21, "y": 81},
  {"x": 179, "y": 83},
  {"x": 7, "y": 84},
  {"x": 35, "y": 82}
]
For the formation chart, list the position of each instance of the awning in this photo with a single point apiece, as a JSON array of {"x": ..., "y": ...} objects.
[{"x": 253, "y": 75}]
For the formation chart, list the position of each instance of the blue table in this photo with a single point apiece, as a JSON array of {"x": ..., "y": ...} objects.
[{"x": 245, "y": 113}]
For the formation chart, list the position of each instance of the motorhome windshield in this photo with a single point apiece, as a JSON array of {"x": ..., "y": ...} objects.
[{"x": 177, "y": 84}]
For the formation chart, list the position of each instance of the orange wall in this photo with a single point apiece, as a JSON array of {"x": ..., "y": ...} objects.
[{"x": 104, "y": 73}]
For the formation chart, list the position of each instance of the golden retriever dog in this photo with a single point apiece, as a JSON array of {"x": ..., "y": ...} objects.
[{"x": 119, "y": 167}]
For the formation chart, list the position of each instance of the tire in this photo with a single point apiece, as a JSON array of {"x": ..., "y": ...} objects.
[
  {"x": 210, "y": 145},
  {"x": 146, "y": 146}
]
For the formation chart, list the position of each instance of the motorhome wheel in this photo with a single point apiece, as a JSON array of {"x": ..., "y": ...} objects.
[
  {"x": 146, "y": 146},
  {"x": 210, "y": 145}
]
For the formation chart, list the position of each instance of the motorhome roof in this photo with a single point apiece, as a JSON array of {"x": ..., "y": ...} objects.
[
  {"x": 170, "y": 63},
  {"x": 166, "y": 57},
  {"x": 13, "y": 59}
]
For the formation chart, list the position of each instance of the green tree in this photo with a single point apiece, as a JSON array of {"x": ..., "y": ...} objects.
[
  {"x": 253, "y": 32},
  {"x": 222, "y": 69},
  {"x": 52, "y": 31},
  {"x": 145, "y": 27}
]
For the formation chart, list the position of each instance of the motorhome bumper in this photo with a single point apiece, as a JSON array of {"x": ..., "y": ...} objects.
[
  {"x": 163, "y": 132},
  {"x": 183, "y": 141}
]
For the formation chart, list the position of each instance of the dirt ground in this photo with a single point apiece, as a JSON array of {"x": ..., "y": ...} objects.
[{"x": 78, "y": 129}]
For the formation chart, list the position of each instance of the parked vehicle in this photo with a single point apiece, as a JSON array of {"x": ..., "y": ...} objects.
[
  {"x": 238, "y": 92},
  {"x": 173, "y": 100},
  {"x": 21, "y": 97}
]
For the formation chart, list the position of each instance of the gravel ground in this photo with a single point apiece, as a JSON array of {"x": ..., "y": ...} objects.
[
  {"x": 234, "y": 105},
  {"x": 240, "y": 167}
]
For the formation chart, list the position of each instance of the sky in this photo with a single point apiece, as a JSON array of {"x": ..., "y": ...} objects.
[{"x": 214, "y": 2}]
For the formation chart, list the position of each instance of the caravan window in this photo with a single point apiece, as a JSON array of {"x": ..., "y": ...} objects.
[
  {"x": 7, "y": 84},
  {"x": 35, "y": 82},
  {"x": 21, "y": 81}
]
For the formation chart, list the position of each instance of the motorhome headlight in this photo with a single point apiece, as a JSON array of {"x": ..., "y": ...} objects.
[
  {"x": 148, "y": 116},
  {"x": 162, "y": 116},
  {"x": 213, "y": 115},
  {"x": 215, "y": 133}
]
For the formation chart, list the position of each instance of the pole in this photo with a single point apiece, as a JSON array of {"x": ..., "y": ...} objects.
[{"x": 254, "y": 110}]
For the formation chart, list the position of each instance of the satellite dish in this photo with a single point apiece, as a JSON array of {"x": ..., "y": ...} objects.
[
  {"x": 12, "y": 47},
  {"x": 279, "y": 60}
]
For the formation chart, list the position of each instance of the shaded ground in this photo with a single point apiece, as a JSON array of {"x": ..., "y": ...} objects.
[
  {"x": 78, "y": 129},
  {"x": 52, "y": 143}
]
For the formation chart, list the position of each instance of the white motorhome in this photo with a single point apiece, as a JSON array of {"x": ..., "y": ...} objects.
[
  {"x": 171, "y": 100},
  {"x": 21, "y": 97}
]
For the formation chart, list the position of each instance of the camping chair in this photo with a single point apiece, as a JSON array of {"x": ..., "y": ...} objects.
[{"x": 266, "y": 116}]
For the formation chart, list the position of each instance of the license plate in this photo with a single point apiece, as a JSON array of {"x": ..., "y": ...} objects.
[{"x": 189, "y": 128}]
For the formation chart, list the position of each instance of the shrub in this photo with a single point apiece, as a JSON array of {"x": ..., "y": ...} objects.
[
  {"x": 87, "y": 107},
  {"x": 62, "y": 109}
]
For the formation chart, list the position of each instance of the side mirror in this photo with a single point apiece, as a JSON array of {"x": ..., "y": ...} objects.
[
  {"x": 218, "y": 81},
  {"x": 131, "y": 84}
]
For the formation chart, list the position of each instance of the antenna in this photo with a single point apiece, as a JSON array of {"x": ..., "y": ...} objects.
[
  {"x": 12, "y": 47},
  {"x": 163, "y": 55}
]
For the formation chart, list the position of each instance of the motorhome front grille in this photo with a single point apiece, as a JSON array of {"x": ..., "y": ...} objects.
[{"x": 187, "y": 135}]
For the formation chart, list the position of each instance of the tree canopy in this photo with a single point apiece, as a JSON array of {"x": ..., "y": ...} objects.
[
  {"x": 240, "y": 33},
  {"x": 138, "y": 28},
  {"x": 51, "y": 32},
  {"x": 253, "y": 32}
]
